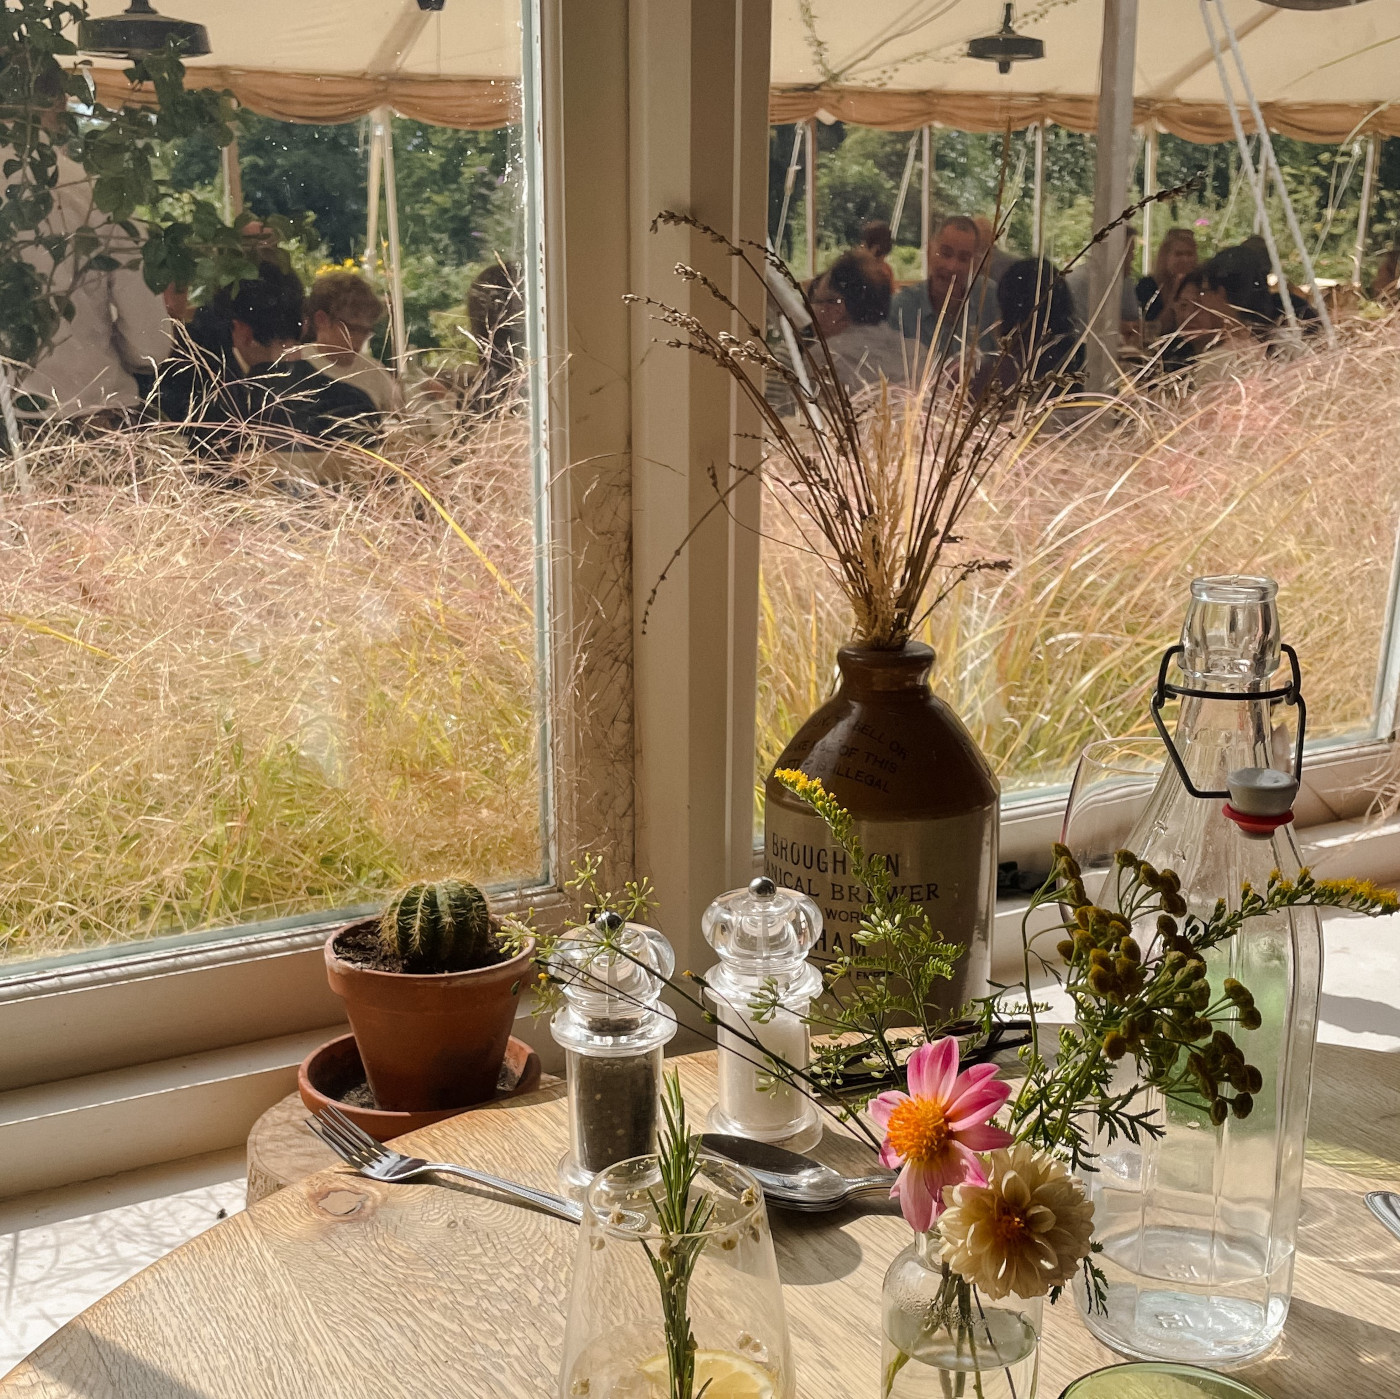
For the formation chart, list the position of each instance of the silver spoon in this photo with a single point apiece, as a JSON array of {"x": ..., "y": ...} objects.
[
  {"x": 794, "y": 1181},
  {"x": 1385, "y": 1205}
]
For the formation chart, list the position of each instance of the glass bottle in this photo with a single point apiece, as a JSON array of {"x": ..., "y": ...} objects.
[
  {"x": 615, "y": 1341},
  {"x": 613, "y": 1028},
  {"x": 1199, "y": 1225},
  {"x": 761, "y": 991},
  {"x": 941, "y": 1336}
]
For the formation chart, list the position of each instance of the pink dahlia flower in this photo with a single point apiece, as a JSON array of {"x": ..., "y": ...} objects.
[{"x": 934, "y": 1132}]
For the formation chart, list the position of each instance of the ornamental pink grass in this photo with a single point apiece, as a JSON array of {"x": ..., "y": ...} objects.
[{"x": 935, "y": 1131}]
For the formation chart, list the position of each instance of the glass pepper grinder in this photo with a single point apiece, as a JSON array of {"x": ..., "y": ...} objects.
[
  {"x": 763, "y": 935},
  {"x": 613, "y": 1028}
]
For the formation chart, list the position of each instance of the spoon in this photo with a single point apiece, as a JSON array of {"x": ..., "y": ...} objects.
[
  {"x": 1385, "y": 1205},
  {"x": 791, "y": 1180}
]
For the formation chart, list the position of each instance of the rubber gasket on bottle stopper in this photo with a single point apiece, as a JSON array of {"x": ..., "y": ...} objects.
[{"x": 1256, "y": 827}]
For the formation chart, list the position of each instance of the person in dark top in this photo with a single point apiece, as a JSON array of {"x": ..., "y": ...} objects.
[
  {"x": 235, "y": 385},
  {"x": 878, "y": 241},
  {"x": 1240, "y": 275},
  {"x": 1177, "y": 255},
  {"x": 496, "y": 316},
  {"x": 1037, "y": 334}
]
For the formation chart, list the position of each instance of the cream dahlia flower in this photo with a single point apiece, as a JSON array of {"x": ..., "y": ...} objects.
[{"x": 1025, "y": 1231}]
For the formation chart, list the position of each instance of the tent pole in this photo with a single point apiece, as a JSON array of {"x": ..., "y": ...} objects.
[
  {"x": 376, "y": 174},
  {"x": 1149, "y": 187},
  {"x": 1113, "y": 170},
  {"x": 898, "y": 216},
  {"x": 232, "y": 175},
  {"x": 926, "y": 199},
  {"x": 810, "y": 195},
  {"x": 1269, "y": 163},
  {"x": 391, "y": 215},
  {"x": 1038, "y": 195},
  {"x": 789, "y": 180},
  {"x": 1363, "y": 215}
]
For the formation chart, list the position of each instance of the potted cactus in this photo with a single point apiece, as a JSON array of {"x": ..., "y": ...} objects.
[{"x": 431, "y": 995}]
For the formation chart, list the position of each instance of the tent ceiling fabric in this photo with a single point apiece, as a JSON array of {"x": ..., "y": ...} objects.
[
  {"x": 901, "y": 63},
  {"x": 889, "y": 63},
  {"x": 334, "y": 60}
]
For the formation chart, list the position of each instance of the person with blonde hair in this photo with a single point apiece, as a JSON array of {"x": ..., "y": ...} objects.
[
  {"x": 342, "y": 310},
  {"x": 1157, "y": 293}
]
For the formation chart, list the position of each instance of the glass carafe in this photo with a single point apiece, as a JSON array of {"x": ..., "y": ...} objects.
[
  {"x": 1198, "y": 1226},
  {"x": 615, "y": 1345}
]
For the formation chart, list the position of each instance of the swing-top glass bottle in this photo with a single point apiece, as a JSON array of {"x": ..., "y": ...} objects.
[{"x": 1199, "y": 1225}]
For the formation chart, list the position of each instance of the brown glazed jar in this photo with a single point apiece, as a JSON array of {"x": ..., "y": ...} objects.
[{"x": 922, "y": 795}]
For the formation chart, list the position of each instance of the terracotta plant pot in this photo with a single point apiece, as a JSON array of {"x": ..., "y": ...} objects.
[
  {"x": 429, "y": 1041},
  {"x": 329, "y": 1072}
]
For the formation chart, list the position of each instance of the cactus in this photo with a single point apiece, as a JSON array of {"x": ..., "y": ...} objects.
[{"x": 442, "y": 927}]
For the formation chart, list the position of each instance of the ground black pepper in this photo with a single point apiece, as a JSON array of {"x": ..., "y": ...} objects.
[{"x": 614, "y": 1101}]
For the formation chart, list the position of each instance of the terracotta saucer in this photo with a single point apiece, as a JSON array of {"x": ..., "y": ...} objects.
[{"x": 334, "y": 1070}]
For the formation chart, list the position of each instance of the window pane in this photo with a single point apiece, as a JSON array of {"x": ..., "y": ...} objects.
[
  {"x": 234, "y": 695},
  {"x": 1274, "y": 466}
]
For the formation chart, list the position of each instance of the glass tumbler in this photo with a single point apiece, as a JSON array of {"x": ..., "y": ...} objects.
[{"x": 615, "y": 1344}]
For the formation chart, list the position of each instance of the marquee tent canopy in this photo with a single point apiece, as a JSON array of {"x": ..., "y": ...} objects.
[{"x": 1322, "y": 76}]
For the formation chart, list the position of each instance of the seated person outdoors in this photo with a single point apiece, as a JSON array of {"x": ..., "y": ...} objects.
[
  {"x": 92, "y": 374},
  {"x": 496, "y": 318},
  {"x": 342, "y": 310},
  {"x": 993, "y": 258},
  {"x": 867, "y": 347},
  {"x": 953, "y": 305},
  {"x": 1156, "y": 293},
  {"x": 1037, "y": 335},
  {"x": 265, "y": 398},
  {"x": 878, "y": 241}
]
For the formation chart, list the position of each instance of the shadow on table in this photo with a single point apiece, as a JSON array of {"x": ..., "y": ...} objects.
[
  {"x": 1337, "y": 1228},
  {"x": 1340, "y": 1356},
  {"x": 93, "y": 1367},
  {"x": 1359, "y": 1107}
]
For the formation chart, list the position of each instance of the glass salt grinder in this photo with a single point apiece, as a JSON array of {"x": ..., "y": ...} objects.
[
  {"x": 613, "y": 1028},
  {"x": 763, "y": 935}
]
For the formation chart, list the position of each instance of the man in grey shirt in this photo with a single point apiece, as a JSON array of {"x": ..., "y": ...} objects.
[{"x": 935, "y": 311}]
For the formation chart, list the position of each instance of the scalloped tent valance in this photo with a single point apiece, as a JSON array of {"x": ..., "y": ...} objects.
[{"x": 1319, "y": 75}]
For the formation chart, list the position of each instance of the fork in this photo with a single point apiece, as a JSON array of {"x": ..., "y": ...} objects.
[{"x": 370, "y": 1158}]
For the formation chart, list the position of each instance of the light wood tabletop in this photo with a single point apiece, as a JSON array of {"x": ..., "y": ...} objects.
[{"x": 340, "y": 1288}]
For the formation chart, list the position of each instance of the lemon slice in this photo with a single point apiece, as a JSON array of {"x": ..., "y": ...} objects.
[{"x": 729, "y": 1375}]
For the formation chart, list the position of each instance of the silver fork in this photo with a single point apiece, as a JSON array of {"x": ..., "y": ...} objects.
[{"x": 370, "y": 1158}]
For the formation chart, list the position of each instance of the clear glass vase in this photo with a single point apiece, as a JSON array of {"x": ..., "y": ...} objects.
[
  {"x": 1198, "y": 1225},
  {"x": 943, "y": 1339},
  {"x": 616, "y": 1342}
]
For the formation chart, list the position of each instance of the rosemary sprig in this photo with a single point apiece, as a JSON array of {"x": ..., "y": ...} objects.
[{"x": 682, "y": 1223}]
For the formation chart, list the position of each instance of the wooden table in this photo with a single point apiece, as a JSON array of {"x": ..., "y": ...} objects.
[{"x": 340, "y": 1288}]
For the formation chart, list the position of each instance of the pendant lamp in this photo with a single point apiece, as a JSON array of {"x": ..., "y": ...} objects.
[
  {"x": 139, "y": 31},
  {"x": 1006, "y": 46}
]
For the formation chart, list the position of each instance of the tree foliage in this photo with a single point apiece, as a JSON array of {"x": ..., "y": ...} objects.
[{"x": 49, "y": 116}]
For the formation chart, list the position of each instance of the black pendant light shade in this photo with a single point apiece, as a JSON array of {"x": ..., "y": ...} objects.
[
  {"x": 1006, "y": 46},
  {"x": 140, "y": 31}
]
